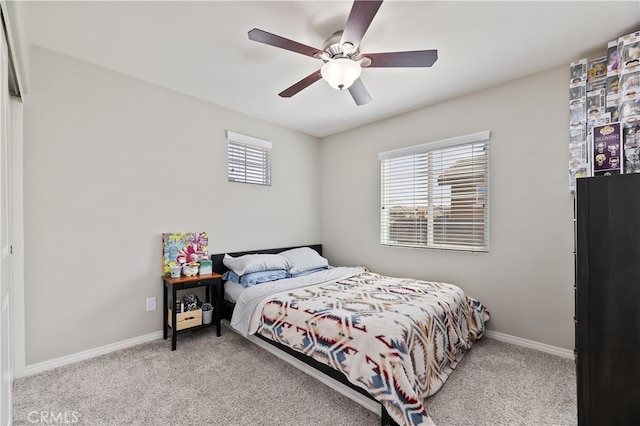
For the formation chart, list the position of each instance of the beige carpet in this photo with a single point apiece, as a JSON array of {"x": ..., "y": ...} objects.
[{"x": 228, "y": 380}]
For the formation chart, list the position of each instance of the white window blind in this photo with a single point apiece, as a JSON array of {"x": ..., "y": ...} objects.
[
  {"x": 249, "y": 159},
  {"x": 436, "y": 195}
]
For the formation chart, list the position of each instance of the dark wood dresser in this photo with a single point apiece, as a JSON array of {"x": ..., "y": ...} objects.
[{"x": 608, "y": 300}]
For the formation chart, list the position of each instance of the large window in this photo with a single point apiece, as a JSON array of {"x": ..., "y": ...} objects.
[
  {"x": 436, "y": 195},
  {"x": 249, "y": 159}
]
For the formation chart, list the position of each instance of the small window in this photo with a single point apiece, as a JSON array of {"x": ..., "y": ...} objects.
[
  {"x": 436, "y": 195},
  {"x": 249, "y": 159}
]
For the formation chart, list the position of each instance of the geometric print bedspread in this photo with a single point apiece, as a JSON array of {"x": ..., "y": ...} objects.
[{"x": 399, "y": 339}]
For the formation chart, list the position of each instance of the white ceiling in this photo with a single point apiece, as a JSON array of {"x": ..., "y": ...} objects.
[{"x": 202, "y": 49}]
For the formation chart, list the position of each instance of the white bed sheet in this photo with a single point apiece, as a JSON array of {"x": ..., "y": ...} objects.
[{"x": 232, "y": 291}]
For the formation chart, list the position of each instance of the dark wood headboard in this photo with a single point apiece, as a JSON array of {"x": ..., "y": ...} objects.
[{"x": 219, "y": 267}]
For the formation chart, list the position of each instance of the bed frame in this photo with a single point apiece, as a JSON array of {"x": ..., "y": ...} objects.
[{"x": 227, "y": 311}]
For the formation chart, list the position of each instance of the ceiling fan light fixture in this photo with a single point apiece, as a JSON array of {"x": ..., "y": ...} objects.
[{"x": 340, "y": 73}]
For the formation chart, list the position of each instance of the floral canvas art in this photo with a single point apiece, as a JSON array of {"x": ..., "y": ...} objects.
[{"x": 183, "y": 247}]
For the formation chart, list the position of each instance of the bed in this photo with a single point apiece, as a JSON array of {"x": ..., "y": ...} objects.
[{"x": 393, "y": 340}]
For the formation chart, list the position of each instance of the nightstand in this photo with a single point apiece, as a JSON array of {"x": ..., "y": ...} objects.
[{"x": 214, "y": 294}]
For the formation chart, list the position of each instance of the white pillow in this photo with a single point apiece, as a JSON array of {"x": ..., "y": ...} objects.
[
  {"x": 255, "y": 263},
  {"x": 304, "y": 259}
]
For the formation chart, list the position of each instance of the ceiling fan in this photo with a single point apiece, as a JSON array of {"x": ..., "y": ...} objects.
[{"x": 341, "y": 55}]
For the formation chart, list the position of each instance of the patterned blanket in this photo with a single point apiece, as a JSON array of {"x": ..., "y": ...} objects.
[{"x": 399, "y": 339}]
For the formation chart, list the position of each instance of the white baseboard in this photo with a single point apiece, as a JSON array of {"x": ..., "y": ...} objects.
[
  {"x": 102, "y": 350},
  {"x": 91, "y": 353},
  {"x": 518, "y": 341}
]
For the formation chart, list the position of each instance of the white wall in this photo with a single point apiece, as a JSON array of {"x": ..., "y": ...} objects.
[
  {"x": 526, "y": 280},
  {"x": 111, "y": 163}
]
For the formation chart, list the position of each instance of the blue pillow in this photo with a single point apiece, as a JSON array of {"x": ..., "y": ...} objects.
[
  {"x": 253, "y": 278},
  {"x": 231, "y": 276}
]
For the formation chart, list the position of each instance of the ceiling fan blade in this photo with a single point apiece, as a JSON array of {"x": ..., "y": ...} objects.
[
  {"x": 359, "y": 93},
  {"x": 281, "y": 42},
  {"x": 360, "y": 17},
  {"x": 415, "y": 58},
  {"x": 302, "y": 84}
]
